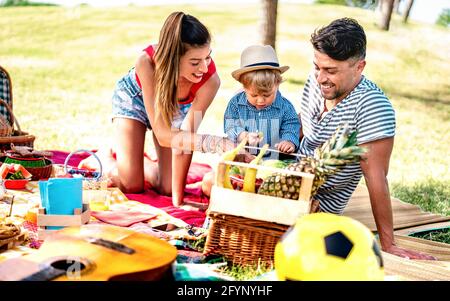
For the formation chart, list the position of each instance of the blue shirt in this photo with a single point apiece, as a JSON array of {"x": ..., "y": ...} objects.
[{"x": 277, "y": 122}]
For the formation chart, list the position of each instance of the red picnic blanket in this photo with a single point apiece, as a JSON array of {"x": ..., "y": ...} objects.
[{"x": 151, "y": 197}]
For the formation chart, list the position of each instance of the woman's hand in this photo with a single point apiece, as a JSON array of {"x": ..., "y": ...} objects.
[{"x": 253, "y": 138}]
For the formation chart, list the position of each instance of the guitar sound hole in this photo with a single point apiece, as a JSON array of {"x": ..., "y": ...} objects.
[{"x": 67, "y": 265}]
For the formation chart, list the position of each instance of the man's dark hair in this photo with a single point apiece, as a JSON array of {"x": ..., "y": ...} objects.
[{"x": 341, "y": 39}]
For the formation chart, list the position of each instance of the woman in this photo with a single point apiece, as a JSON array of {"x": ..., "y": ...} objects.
[{"x": 168, "y": 91}]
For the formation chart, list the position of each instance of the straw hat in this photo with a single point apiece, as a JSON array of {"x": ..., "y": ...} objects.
[{"x": 257, "y": 57}]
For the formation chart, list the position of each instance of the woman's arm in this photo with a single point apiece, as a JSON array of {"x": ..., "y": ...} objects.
[
  {"x": 182, "y": 160},
  {"x": 163, "y": 132}
]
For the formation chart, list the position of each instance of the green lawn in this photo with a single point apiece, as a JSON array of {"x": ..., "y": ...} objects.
[{"x": 64, "y": 63}]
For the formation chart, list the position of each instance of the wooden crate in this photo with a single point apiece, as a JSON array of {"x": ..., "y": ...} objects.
[
  {"x": 261, "y": 207},
  {"x": 45, "y": 220},
  {"x": 245, "y": 227}
]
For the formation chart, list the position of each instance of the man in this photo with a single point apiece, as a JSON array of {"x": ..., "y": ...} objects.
[{"x": 336, "y": 93}]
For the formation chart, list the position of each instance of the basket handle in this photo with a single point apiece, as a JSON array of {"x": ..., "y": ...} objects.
[
  {"x": 85, "y": 151},
  {"x": 13, "y": 118}
]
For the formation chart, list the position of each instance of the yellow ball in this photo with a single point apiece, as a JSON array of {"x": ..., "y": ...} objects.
[{"x": 325, "y": 246}]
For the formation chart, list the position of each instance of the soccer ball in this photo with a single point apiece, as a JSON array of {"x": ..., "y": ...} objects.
[{"x": 324, "y": 246}]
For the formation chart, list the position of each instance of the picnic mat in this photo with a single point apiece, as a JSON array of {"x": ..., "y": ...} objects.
[
  {"x": 405, "y": 215},
  {"x": 193, "y": 195}
]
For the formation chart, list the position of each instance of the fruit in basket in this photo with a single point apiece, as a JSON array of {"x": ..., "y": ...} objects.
[
  {"x": 339, "y": 150},
  {"x": 237, "y": 181},
  {"x": 270, "y": 163},
  {"x": 250, "y": 173},
  {"x": 229, "y": 156}
]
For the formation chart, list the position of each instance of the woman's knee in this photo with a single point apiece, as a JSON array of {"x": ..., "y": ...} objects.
[
  {"x": 165, "y": 188},
  {"x": 131, "y": 187}
]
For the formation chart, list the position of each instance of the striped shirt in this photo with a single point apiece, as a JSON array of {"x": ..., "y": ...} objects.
[
  {"x": 367, "y": 110},
  {"x": 277, "y": 122}
]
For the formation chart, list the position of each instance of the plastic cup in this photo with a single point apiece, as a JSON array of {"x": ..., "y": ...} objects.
[{"x": 98, "y": 200}]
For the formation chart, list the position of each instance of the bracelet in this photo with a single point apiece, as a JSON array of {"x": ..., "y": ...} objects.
[
  {"x": 199, "y": 143},
  {"x": 207, "y": 148},
  {"x": 210, "y": 144}
]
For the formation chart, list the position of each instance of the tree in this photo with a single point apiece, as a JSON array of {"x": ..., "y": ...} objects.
[
  {"x": 396, "y": 6},
  {"x": 444, "y": 18},
  {"x": 407, "y": 10},
  {"x": 386, "y": 7},
  {"x": 269, "y": 22}
]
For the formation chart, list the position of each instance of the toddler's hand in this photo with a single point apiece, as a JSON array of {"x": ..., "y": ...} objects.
[{"x": 285, "y": 146}]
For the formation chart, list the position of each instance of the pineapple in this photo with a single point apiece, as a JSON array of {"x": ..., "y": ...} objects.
[{"x": 336, "y": 152}]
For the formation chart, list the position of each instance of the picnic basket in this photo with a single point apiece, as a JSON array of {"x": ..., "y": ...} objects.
[
  {"x": 96, "y": 181},
  {"x": 8, "y": 133},
  {"x": 245, "y": 227}
]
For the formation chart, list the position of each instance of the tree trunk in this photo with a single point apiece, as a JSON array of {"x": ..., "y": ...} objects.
[
  {"x": 407, "y": 10},
  {"x": 269, "y": 22},
  {"x": 386, "y": 13},
  {"x": 396, "y": 6},
  {"x": 379, "y": 7}
]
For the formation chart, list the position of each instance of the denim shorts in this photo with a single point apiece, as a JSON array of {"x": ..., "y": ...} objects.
[{"x": 127, "y": 102}]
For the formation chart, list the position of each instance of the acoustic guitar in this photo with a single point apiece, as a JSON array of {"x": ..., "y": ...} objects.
[{"x": 95, "y": 253}]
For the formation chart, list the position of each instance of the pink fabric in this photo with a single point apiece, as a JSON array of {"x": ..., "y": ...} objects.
[
  {"x": 151, "y": 197},
  {"x": 122, "y": 218}
]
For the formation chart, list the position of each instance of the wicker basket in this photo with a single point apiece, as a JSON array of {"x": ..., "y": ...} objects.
[
  {"x": 241, "y": 240},
  {"x": 245, "y": 227},
  {"x": 43, "y": 172},
  {"x": 38, "y": 173},
  {"x": 8, "y": 134}
]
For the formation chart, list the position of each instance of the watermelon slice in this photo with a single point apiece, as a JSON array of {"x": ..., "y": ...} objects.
[
  {"x": 4, "y": 171},
  {"x": 14, "y": 171}
]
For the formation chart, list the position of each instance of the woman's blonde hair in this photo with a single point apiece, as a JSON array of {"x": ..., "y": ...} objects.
[
  {"x": 178, "y": 34},
  {"x": 262, "y": 80}
]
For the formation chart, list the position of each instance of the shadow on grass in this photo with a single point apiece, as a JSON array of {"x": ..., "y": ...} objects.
[
  {"x": 438, "y": 99},
  {"x": 430, "y": 99},
  {"x": 11, "y": 3}
]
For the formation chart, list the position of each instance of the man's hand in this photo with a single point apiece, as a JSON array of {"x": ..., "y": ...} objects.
[
  {"x": 285, "y": 146},
  {"x": 408, "y": 254}
]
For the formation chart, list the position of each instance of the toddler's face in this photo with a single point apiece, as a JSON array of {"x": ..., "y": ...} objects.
[{"x": 260, "y": 100}]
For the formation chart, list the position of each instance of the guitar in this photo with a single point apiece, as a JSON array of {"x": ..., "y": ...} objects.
[{"x": 94, "y": 253}]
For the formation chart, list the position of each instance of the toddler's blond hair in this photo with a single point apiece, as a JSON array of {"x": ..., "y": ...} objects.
[{"x": 262, "y": 80}]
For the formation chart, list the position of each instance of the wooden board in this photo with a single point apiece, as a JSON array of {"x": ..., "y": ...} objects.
[
  {"x": 415, "y": 270},
  {"x": 423, "y": 228},
  {"x": 405, "y": 215}
]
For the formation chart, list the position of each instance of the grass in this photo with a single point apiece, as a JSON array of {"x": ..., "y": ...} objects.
[
  {"x": 442, "y": 235},
  {"x": 431, "y": 195},
  {"x": 64, "y": 67},
  {"x": 245, "y": 272}
]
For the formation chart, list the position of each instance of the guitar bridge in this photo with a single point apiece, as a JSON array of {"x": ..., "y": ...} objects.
[{"x": 111, "y": 245}]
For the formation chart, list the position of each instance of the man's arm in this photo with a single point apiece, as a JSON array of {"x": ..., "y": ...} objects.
[{"x": 375, "y": 169}]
